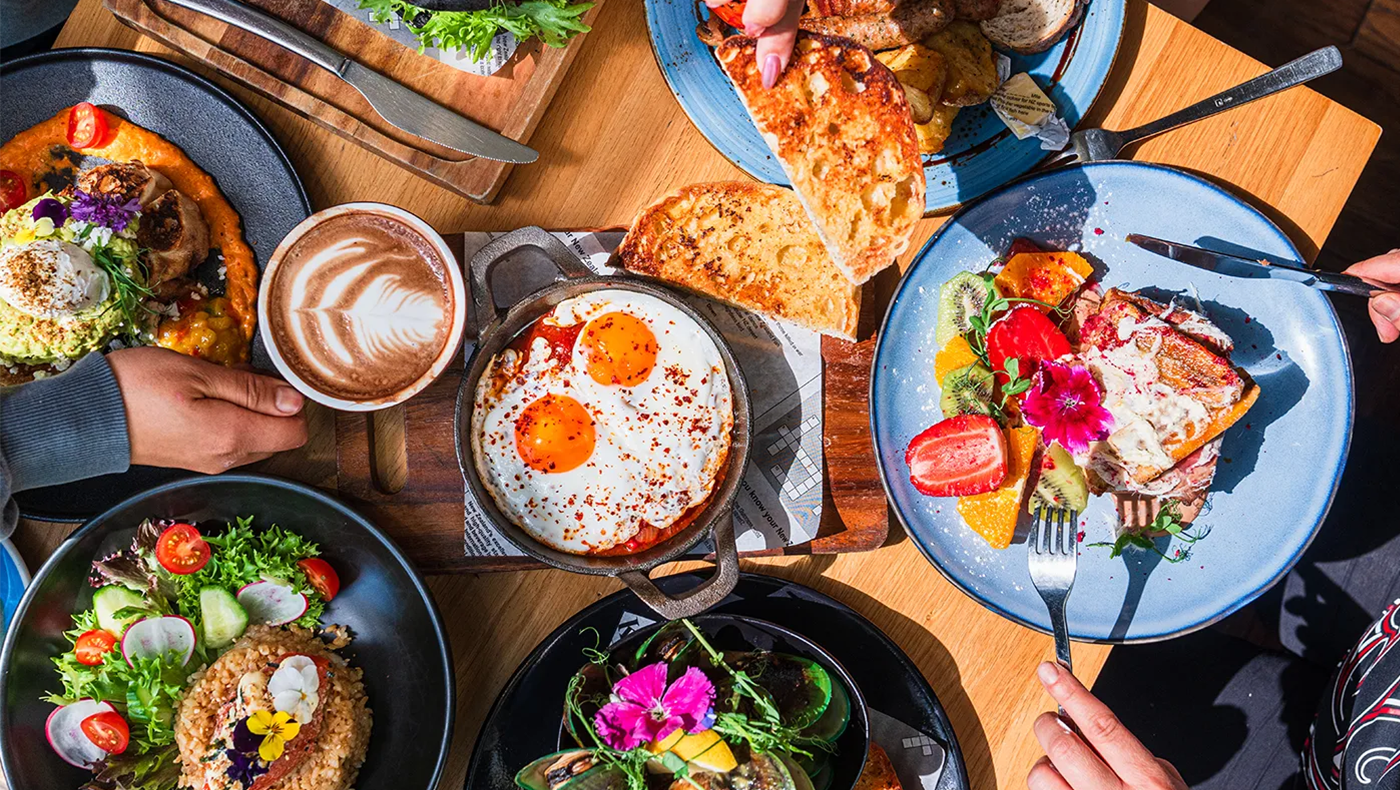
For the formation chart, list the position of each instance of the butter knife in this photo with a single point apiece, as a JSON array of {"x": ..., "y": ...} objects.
[
  {"x": 1261, "y": 268},
  {"x": 396, "y": 103}
]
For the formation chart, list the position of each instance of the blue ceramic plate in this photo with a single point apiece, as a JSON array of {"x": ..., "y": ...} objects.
[
  {"x": 979, "y": 157},
  {"x": 13, "y": 579},
  {"x": 1280, "y": 464}
]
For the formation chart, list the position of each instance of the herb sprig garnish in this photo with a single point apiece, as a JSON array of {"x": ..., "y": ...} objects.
[
  {"x": 128, "y": 281},
  {"x": 554, "y": 22},
  {"x": 1168, "y": 520}
]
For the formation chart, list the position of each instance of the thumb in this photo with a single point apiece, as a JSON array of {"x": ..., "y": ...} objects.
[{"x": 262, "y": 394}]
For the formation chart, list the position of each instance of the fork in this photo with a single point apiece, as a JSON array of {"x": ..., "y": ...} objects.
[
  {"x": 1094, "y": 145},
  {"x": 1053, "y": 557}
]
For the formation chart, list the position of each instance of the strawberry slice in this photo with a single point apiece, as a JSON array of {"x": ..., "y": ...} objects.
[
  {"x": 961, "y": 456},
  {"x": 1027, "y": 335}
]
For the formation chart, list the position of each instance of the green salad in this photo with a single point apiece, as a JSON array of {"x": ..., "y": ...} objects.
[
  {"x": 164, "y": 607},
  {"x": 552, "y": 21}
]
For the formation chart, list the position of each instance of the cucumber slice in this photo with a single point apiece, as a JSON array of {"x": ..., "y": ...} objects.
[
  {"x": 224, "y": 618},
  {"x": 109, "y": 600}
]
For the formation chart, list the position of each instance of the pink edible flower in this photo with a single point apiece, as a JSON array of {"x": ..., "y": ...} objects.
[
  {"x": 644, "y": 708},
  {"x": 1066, "y": 403}
]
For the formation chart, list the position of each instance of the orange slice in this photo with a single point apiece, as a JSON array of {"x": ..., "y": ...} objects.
[
  {"x": 993, "y": 515},
  {"x": 957, "y": 354}
]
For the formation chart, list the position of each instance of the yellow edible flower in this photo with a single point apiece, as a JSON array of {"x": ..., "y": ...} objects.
[{"x": 276, "y": 729}]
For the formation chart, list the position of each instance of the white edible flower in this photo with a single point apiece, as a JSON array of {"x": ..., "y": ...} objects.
[{"x": 295, "y": 688}]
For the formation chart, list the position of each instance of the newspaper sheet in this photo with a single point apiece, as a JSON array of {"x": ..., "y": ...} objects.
[{"x": 780, "y": 501}]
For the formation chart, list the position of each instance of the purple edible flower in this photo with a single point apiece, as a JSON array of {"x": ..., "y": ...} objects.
[
  {"x": 54, "y": 210},
  {"x": 106, "y": 210},
  {"x": 244, "y": 768},
  {"x": 243, "y": 739}
]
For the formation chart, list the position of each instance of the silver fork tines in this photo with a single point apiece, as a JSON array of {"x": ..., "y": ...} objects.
[{"x": 1053, "y": 558}]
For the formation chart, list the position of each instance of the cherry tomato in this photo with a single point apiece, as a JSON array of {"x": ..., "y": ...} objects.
[
  {"x": 107, "y": 731},
  {"x": 181, "y": 550},
  {"x": 87, "y": 126},
  {"x": 91, "y": 646},
  {"x": 13, "y": 192},
  {"x": 731, "y": 13},
  {"x": 321, "y": 575}
]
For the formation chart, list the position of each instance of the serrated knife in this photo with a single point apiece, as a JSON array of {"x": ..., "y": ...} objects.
[
  {"x": 396, "y": 103},
  {"x": 1260, "y": 268}
]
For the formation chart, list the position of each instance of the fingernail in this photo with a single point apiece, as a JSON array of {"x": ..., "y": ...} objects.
[
  {"x": 772, "y": 68},
  {"x": 1388, "y": 306},
  {"x": 753, "y": 29},
  {"x": 1064, "y": 725},
  {"x": 1048, "y": 672},
  {"x": 288, "y": 400}
]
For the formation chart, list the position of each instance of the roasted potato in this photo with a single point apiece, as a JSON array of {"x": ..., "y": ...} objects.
[
  {"x": 917, "y": 66},
  {"x": 920, "y": 105},
  {"x": 972, "y": 70},
  {"x": 934, "y": 133}
]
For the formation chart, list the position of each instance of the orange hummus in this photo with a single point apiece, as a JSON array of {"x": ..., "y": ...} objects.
[{"x": 42, "y": 151}]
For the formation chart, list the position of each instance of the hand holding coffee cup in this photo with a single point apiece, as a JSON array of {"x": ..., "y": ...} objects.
[{"x": 362, "y": 306}]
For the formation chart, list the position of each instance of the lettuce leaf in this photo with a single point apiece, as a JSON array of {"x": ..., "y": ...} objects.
[
  {"x": 242, "y": 555},
  {"x": 552, "y": 21}
]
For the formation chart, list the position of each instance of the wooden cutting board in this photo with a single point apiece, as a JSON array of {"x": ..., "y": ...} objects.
[
  {"x": 399, "y": 467},
  {"x": 512, "y": 101}
]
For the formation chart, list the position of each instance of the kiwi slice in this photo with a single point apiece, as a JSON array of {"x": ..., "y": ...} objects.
[
  {"x": 1061, "y": 483},
  {"x": 967, "y": 391},
  {"x": 959, "y": 300}
]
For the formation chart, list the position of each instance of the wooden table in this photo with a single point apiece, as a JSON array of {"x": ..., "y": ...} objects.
[{"x": 615, "y": 140}]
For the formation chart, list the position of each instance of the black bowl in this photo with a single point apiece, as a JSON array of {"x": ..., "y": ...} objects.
[
  {"x": 399, "y": 639},
  {"x": 736, "y": 632}
]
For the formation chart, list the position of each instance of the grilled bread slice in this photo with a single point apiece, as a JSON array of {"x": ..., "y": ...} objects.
[
  {"x": 1169, "y": 392},
  {"x": 747, "y": 244},
  {"x": 879, "y": 24},
  {"x": 840, "y": 125},
  {"x": 1032, "y": 26}
]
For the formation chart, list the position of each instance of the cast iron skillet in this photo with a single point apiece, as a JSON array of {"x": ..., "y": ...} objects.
[
  {"x": 890, "y": 682},
  {"x": 399, "y": 639},
  {"x": 498, "y": 329},
  {"x": 222, "y": 136}
]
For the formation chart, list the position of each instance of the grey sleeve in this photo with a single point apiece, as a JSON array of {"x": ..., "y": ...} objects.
[{"x": 60, "y": 429}]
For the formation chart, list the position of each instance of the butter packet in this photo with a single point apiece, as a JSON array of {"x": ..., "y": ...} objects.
[{"x": 1028, "y": 112}]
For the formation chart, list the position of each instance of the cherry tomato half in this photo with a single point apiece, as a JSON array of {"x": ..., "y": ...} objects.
[
  {"x": 107, "y": 731},
  {"x": 13, "y": 192},
  {"x": 731, "y": 13},
  {"x": 321, "y": 575},
  {"x": 87, "y": 126},
  {"x": 91, "y": 646},
  {"x": 181, "y": 550}
]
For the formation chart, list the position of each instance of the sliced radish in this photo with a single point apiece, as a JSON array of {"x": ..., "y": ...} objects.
[
  {"x": 65, "y": 732},
  {"x": 154, "y": 637},
  {"x": 271, "y": 603}
]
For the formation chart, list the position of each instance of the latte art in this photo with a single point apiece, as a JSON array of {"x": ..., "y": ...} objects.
[{"x": 361, "y": 308}]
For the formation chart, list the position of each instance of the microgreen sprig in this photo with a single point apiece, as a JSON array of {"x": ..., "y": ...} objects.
[
  {"x": 1168, "y": 520},
  {"x": 128, "y": 281}
]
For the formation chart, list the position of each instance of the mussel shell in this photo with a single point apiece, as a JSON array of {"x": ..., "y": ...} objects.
[
  {"x": 834, "y": 720},
  {"x": 596, "y": 684},
  {"x": 536, "y": 775},
  {"x": 670, "y": 643},
  {"x": 801, "y": 688},
  {"x": 767, "y": 771}
]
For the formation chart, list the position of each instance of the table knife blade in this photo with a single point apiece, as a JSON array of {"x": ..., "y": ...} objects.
[{"x": 1259, "y": 268}]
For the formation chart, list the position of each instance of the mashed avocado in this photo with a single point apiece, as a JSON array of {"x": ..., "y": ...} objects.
[{"x": 39, "y": 341}]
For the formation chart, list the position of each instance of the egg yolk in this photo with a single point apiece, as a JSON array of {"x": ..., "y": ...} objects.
[
  {"x": 620, "y": 348},
  {"x": 554, "y": 434}
]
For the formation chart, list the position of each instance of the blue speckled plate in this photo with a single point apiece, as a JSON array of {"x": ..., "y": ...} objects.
[
  {"x": 980, "y": 156},
  {"x": 1281, "y": 464},
  {"x": 14, "y": 577}
]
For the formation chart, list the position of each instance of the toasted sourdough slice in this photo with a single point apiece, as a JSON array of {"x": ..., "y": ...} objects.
[
  {"x": 840, "y": 125},
  {"x": 748, "y": 244},
  {"x": 1032, "y": 26},
  {"x": 1169, "y": 393}
]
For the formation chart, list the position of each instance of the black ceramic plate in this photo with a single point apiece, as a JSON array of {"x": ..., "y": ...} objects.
[
  {"x": 222, "y": 136},
  {"x": 524, "y": 722},
  {"x": 399, "y": 640}
]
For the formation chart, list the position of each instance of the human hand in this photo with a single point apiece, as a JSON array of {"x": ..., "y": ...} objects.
[
  {"x": 774, "y": 24},
  {"x": 1106, "y": 757},
  {"x": 1385, "y": 308},
  {"x": 186, "y": 413}
]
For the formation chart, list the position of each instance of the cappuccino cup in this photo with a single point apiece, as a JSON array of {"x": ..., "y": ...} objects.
[{"x": 362, "y": 306}]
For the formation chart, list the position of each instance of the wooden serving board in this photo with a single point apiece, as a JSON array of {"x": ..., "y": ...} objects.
[
  {"x": 399, "y": 467},
  {"x": 512, "y": 101}
]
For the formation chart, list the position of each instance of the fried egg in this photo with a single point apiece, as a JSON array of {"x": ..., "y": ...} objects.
[{"x": 611, "y": 413}]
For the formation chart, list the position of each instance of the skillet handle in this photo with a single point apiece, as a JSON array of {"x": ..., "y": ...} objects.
[
  {"x": 484, "y": 312},
  {"x": 707, "y": 593}
]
